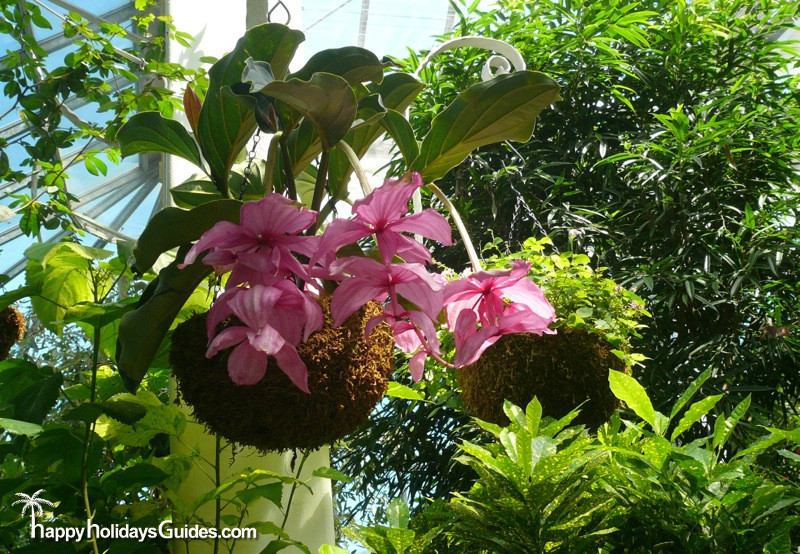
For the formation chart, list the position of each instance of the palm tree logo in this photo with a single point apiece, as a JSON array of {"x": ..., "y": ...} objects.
[{"x": 33, "y": 502}]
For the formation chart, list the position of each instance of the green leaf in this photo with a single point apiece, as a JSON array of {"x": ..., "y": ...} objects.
[
  {"x": 400, "y": 130},
  {"x": 45, "y": 252},
  {"x": 141, "y": 331},
  {"x": 272, "y": 492},
  {"x": 151, "y": 132},
  {"x": 533, "y": 415},
  {"x": 514, "y": 413},
  {"x": 194, "y": 192},
  {"x": 331, "y": 549},
  {"x": 398, "y": 390},
  {"x": 173, "y": 227},
  {"x": 124, "y": 411},
  {"x": 504, "y": 108},
  {"x": 695, "y": 412},
  {"x": 18, "y": 294},
  {"x": 332, "y": 474},
  {"x": 725, "y": 429},
  {"x": 326, "y": 100},
  {"x": 99, "y": 315},
  {"x": 690, "y": 392},
  {"x": 16, "y": 427},
  {"x": 62, "y": 287},
  {"x": 139, "y": 475},
  {"x": 355, "y": 65},
  {"x": 225, "y": 125},
  {"x": 627, "y": 389},
  {"x": 35, "y": 402},
  {"x": 398, "y": 514},
  {"x": 397, "y": 91}
]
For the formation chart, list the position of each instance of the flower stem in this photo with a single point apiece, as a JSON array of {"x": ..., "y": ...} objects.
[
  {"x": 291, "y": 189},
  {"x": 87, "y": 439},
  {"x": 322, "y": 178},
  {"x": 272, "y": 154},
  {"x": 356, "y": 163},
  {"x": 306, "y": 453},
  {"x": 462, "y": 230}
]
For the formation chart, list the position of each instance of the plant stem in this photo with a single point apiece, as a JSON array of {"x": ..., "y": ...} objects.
[
  {"x": 356, "y": 163},
  {"x": 322, "y": 178},
  {"x": 306, "y": 453},
  {"x": 217, "y": 483},
  {"x": 287, "y": 168},
  {"x": 462, "y": 230},
  {"x": 272, "y": 154},
  {"x": 87, "y": 439}
]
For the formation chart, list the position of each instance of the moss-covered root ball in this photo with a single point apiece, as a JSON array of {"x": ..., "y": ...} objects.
[
  {"x": 12, "y": 329},
  {"x": 346, "y": 379},
  {"x": 561, "y": 370}
]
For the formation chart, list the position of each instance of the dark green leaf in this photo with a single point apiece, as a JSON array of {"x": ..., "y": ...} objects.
[
  {"x": 225, "y": 125},
  {"x": 173, "y": 227},
  {"x": 99, "y": 315},
  {"x": 16, "y": 427},
  {"x": 137, "y": 476},
  {"x": 34, "y": 403},
  {"x": 400, "y": 130},
  {"x": 504, "y": 108},
  {"x": 353, "y": 64},
  {"x": 272, "y": 492},
  {"x": 151, "y": 132}
]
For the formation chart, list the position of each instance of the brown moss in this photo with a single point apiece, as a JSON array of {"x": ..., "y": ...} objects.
[
  {"x": 561, "y": 370},
  {"x": 12, "y": 329},
  {"x": 345, "y": 377}
]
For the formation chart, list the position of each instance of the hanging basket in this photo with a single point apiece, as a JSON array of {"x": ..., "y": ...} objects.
[
  {"x": 562, "y": 370},
  {"x": 345, "y": 376},
  {"x": 12, "y": 329}
]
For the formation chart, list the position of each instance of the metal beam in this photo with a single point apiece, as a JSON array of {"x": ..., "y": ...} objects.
[{"x": 86, "y": 14}]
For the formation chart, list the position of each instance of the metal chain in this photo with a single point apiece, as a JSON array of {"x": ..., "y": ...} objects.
[{"x": 251, "y": 156}]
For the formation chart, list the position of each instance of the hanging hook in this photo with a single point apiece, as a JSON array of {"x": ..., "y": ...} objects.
[{"x": 279, "y": 4}]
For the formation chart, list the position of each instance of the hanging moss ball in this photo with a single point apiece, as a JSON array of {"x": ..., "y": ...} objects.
[
  {"x": 561, "y": 370},
  {"x": 12, "y": 329},
  {"x": 346, "y": 379}
]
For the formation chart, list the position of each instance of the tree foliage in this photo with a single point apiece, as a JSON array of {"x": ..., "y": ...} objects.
[{"x": 671, "y": 160}]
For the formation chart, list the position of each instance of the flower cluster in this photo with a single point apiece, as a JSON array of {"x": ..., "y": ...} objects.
[{"x": 267, "y": 256}]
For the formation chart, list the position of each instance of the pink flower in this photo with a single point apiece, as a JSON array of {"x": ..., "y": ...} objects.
[
  {"x": 371, "y": 280},
  {"x": 481, "y": 298},
  {"x": 259, "y": 249},
  {"x": 276, "y": 319},
  {"x": 416, "y": 334},
  {"x": 381, "y": 214}
]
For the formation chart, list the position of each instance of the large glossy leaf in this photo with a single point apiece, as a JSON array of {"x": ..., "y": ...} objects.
[
  {"x": 401, "y": 132},
  {"x": 627, "y": 389},
  {"x": 397, "y": 91},
  {"x": 325, "y": 99},
  {"x": 224, "y": 124},
  {"x": 142, "y": 330},
  {"x": 723, "y": 429},
  {"x": 151, "y": 132},
  {"x": 504, "y": 108},
  {"x": 354, "y": 64},
  {"x": 173, "y": 227}
]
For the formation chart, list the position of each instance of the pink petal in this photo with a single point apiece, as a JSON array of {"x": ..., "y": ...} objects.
[
  {"x": 391, "y": 244},
  {"x": 337, "y": 234},
  {"x": 350, "y": 295},
  {"x": 416, "y": 365},
  {"x": 221, "y": 310},
  {"x": 385, "y": 204},
  {"x": 427, "y": 300},
  {"x": 427, "y": 327},
  {"x": 246, "y": 365},
  {"x": 428, "y": 223},
  {"x": 525, "y": 292},
  {"x": 254, "y": 305},
  {"x": 226, "y": 339},
  {"x": 276, "y": 215},
  {"x": 290, "y": 363},
  {"x": 267, "y": 339},
  {"x": 222, "y": 235},
  {"x": 475, "y": 345}
]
